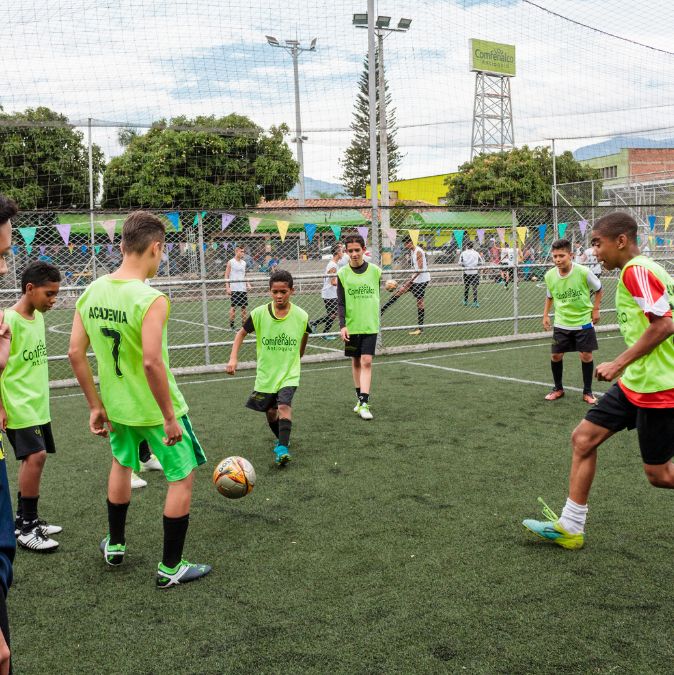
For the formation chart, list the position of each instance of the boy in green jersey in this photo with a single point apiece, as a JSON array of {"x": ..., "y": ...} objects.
[
  {"x": 281, "y": 330},
  {"x": 358, "y": 310},
  {"x": 124, "y": 321},
  {"x": 24, "y": 409},
  {"x": 643, "y": 396},
  {"x": 569, "y": 288}
]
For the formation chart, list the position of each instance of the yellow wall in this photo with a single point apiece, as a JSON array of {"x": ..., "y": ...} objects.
[{"x": 429, "y": 189}]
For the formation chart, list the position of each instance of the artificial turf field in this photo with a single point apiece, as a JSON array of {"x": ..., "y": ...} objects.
[{"x": 391, "y": 546}]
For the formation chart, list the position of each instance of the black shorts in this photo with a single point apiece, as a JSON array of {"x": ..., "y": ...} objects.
[
  {"x": 471, "y": 279},
  {"x": 330, "y": 305},
  {"x": 29, "y": 440},
  {"x": 655, "y": 426},
  {"x": 361, "y": 343},
  {"x": 239, "y": 299},
  {"x": 581, "y": 340},
  {"x": 260, "y": 401},
  {"x": 419, "y": 290}
]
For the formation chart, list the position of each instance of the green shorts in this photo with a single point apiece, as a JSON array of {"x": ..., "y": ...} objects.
[{"x": 178, "y": 460}]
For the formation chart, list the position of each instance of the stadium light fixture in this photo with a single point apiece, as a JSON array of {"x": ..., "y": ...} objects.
[
  {"x": 312, "y": 46},
  {"x": 360, "y": 20},
  {"x": 404, "y": 24},
  {"x": 293, "y": 43},
  {"x": 272, "y": 41},
  {"x": 383, "y": 21}
]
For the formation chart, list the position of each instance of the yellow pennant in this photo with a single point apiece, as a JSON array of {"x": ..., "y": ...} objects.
[
  {"x": 668, "y": 220},
  {"x": 282, "y": 226},
  {"x": 522, "y": 233},
  {"x": 414, "y": 236}
]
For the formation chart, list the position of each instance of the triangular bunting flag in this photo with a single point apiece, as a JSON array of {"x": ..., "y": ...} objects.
[
  {"x": 458, "y": 235},
  {"x": 109, "y": 226},
  {"x": 362, "y": 231},
  {"x": 214, "y": 245},
  {"x": 227, "y": 219},
  {"x": 174, "y": 219},
  {"x": 282, "y": 227},
  {"x": 414, "y": 236},
  {"x": 541, "y": 231},
  {"x": 392, "y": 235},
  {"x": 15, "y": 249},
  {"x": 42, "y": 249},
  {"x": 651, "y": 222},
  {"x": 109, "y": 249},
  {"x": 169, "y": 247},
  {"x": 310, "y": 229},
  {"x": 29, "y": 249},
  {"x": 668, "y": 220},
  {"x": 64, "y": 231},
  {"x": 70, "y": 248},
  {"x": 97, "y": 248},
  {"x": 28, "y": 234},
  {"x": 480, "y": 235},
  {"x": 254, "y": 222},
  {"x": 561, "y": 229},
  {"x": 582, "y": 224},
  {"x": 336, "y": 230},
  {"x": 195, "y": 222},
  {"x": 522, "y": 234},
  {"x": 501, "y": 234}
]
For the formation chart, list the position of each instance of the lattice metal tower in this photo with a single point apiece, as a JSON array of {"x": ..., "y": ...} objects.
[{"x": 492, "y": 115}]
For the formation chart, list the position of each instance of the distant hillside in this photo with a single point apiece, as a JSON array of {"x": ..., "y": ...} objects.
[
  {"x": 312, "y": 186},
  {"x": 614, "y": 145}
]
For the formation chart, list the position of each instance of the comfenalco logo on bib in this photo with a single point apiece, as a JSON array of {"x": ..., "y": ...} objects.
[
  {"x": 569, "y": 294},
  {"x": 280, "y": 343},
  {"x": 37, "y": 356},
  {"x": 364, "y": 290}
]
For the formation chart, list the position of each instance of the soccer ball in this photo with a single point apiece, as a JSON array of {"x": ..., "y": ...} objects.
[
  {"x": 391, "y": 285},
  {"x": 234, "y": 477}
]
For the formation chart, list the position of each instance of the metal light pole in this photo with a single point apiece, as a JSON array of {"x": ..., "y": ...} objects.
[
  {"x": 294, "y": 48},
  {"x": 380, "y": 29}
]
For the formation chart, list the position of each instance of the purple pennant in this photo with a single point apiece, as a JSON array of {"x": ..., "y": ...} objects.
[
  {"x": 169, "y": 247},
  {"x": 64, "y": 231},
  {"x": 42, "y": 249},
  {"x": 227, "y": 219},
  {"x": 582, "y": 224},
  {"x": 110, "y": 249},
  {"x": 480, "y": 235},
  {"x": 362, "y": 231}
]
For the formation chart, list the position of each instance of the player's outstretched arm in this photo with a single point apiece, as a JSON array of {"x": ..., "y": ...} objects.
[
  {"x": 660, "y": 329},
  {"x": 230, "y": 368},
  {"x": 546, "y": 313},
  {"x": 155, "y": 368},
  {"x": 77, "y": 353}
]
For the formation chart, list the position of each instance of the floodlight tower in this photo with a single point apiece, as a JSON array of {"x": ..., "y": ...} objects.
[
  {"x": 294, "y": 48},
  {"x": 382, "y": 29},
  {"x": 494, "y": 65}
]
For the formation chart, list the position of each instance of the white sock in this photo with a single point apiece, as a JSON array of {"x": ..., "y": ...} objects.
[{"x": 573, "y": 517}]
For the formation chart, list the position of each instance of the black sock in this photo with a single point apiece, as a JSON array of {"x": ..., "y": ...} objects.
[
  {"x": 144, "y": 451},
  {"x": 175, "y": 531},
  {"x": 364, "y": 398},
  {"x": 588, "y": 372},
  {"x": 117, "y": 522},
  {"x": 29, "y": 508},
  {"x": 557, "y": 370},
  {"x": 328, "y": 325},
  {"x": 284, "y": 427},
  {"x": 19, "y": 508},
  {"x": 420, "y": 317},
  {"x": 465, "y": 294},
  {"x": 358, "y": 393},
  {"x": 273, "y": 426},
  {"x": 389, "y": 303}
]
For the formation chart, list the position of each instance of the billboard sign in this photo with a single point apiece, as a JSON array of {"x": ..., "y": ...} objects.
[{"x": 492, "y": 57}]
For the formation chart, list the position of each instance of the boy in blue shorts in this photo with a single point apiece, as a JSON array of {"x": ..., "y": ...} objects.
[
  {"x": 124, "y": 321},
  {"x": 282, "y": 330}
]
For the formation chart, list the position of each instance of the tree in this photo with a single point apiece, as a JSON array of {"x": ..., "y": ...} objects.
[
  {"x": 519, "y": 177},
  {"x": 321, "y": 194},
  {"x": 44, "y": 163},
  {"x": 356, "y": 160},
  {"x": 208, "y": 162}
]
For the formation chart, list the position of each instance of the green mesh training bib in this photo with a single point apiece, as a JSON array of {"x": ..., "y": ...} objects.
[
  {"x": 571, "y": 296},
  {"x": 361, "y": 293}
]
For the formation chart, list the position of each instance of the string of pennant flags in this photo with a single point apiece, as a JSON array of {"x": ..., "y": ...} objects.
[{"x": 110, "y": 226}]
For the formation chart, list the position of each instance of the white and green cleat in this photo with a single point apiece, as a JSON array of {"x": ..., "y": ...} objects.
[
  {"x": 182, "y": 573},
  {"x": 552, "y": 531},
  {"x": 365, "y": 412},
  {"x": 356, "y": 408},
  {"x": 113, "y": 554}
]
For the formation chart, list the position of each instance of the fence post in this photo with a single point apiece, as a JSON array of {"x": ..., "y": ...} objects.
[
  {"x": 204, "y": 296},
  {"x": 91, "y": 202},
  {"x": 516, "y": 304}
]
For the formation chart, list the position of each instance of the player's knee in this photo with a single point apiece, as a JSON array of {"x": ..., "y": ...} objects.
[
  {"x": 557, "y": 357},
  {"x": 366, "y": 361},
  {"x": 36, "y": 459},
  {"x": 284, "y": 411},
  {"x": 586, "y": 357},
  {"x": 583, "y": 443},
  {"x": 660, "y": 475}
]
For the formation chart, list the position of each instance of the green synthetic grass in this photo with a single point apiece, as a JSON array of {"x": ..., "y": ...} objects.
[
  {"x": 443, "y": 305},
  {"x": 391, "y": 546}
]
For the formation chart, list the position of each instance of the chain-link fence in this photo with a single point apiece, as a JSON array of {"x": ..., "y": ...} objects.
[{"x": 502, "y": 298}]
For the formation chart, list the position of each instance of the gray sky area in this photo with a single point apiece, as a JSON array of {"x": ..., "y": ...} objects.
[{"x": 136, "y": 61}]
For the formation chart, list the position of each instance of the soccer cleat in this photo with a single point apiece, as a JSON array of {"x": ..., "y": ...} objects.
[
  {"x": 152, "y": 464},
  {"x": 465, "y": 303},
  {"x": 364, "y": 411},
  {"x": 281, "y": 455},
  {"x": 182, "y": 573},
  {"x": 554, "y": 395},
  {"x": 475, "y": 304},
  {"x": 113, "y": 554},
  {"x": 416, "y": 331},
  {"x": 137, "y": 481},
  {"x": 590, "y": 398},
  {"x": 47, "y": 529},
  {"x": 552, "y": 531},
  {"x": 356, "y": 408},
  {"x": 34, "y": 538}
]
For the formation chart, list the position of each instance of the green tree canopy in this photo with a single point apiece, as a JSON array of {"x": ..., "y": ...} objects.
[
  {"x": 44, "y": 163},
  {"x": 208, "y": 162},
  {"x": 519, "y": 177}
]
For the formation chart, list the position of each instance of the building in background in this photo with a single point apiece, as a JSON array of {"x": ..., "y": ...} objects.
[{"x": 427, "y": 189}]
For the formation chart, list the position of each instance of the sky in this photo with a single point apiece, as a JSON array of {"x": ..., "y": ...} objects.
[{"x": 136, "y": 61}]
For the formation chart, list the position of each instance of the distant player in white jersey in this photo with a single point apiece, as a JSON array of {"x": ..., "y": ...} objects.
[
  {"x": 329, "y": 293},
  {"x": 470, "y": 260},
  {"x": 591, "y": 261},
  {"x": 417, "y": 284},
  {"x": 236, "y": 285}
]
